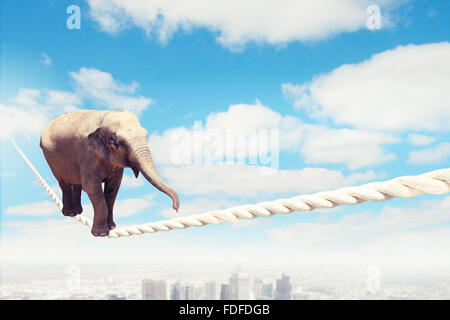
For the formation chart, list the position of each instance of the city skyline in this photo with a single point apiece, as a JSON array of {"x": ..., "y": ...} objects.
[
  {"x": 308, "y": 282},
  {"x": 239, "y": 287}
]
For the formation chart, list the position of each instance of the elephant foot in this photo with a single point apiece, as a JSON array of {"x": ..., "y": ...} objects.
[
  {"x": 111, "y": 225},
  {"x": 101, "y": 231},
  {"x": 72, "y": 212},
  {"x": 78, "y": 210}
]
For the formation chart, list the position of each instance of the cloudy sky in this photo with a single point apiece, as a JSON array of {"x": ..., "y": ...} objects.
[{"x": 352, "y": 99}]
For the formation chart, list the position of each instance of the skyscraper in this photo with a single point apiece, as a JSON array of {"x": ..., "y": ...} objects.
[
  {"x": 154, "y": 289},
  {"x": 211, "y": 290},
  {"x": 257, "y": 289},
  {"x": 267, "y": 291},
  {"x": 187, "y": 291},
  {"x": 239, "y": 286},
  {"x": 175, "y": 291},
  {"x": 182, "y": 291},
  {"x": 225, "y": 292},
  {"x": 283, "y": 288}
]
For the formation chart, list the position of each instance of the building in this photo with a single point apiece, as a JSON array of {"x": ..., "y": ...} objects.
[
  {"x": 211, "y": 290},
  {"x": 154, "y": 289},
  {"x": 175, "y": 291},
  {"x": 187, "y": 291},
  {"x": 225, "y": 292},
  {"x": 257, "y": 289},
  {"x": 182, "y": 291},
  {"x": 239, "y": 286},
  {"x": 283, "y": 288},
  {"x": 267, "y": 291}
]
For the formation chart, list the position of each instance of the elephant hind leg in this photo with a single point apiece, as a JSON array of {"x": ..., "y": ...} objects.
[
  {"x": 76, "y": 198},
  {"x": 70, "y": 207}
]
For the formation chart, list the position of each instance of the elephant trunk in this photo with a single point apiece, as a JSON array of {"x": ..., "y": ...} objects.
[{"x": 142, "y": 159}]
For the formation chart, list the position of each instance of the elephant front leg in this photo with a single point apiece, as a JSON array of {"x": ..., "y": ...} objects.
[
  {"x": 97, "y": 197},
  {"x": 111, "y": 188}
]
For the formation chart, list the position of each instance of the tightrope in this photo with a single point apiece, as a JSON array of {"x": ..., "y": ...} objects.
[{"x": 434, "y": 182}]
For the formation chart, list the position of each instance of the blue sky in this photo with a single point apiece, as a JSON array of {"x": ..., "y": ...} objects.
[{"x": 364, "y": 105}]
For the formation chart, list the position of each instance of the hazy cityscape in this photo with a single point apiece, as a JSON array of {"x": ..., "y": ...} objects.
[
  {"x": 232, "y": 283},
  {"x": 239, "y": 287}
]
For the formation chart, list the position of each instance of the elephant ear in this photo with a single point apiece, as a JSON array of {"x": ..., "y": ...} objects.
[{"x": 97, "y": 144}]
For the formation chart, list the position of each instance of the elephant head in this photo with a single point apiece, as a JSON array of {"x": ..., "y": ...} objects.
[{"x": 121, "y": 140}]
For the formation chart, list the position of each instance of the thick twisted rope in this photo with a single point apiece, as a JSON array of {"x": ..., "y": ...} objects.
[{"x": 434, "y": 182}]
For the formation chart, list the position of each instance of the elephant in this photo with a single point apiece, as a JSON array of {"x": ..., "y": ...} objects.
[{"x": 86, "y": 148}]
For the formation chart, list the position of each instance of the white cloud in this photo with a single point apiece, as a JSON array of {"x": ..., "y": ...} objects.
[
  {"x": 420, "y": 139},
  {"x": 30, "y": 110},
  {"x": 104, "y": 90},
  {"x": 248, "y": 116},
  {"x": 107, "y": 92},
  {"x": 237, "y": 23},
  {"x": 68, "y": 101},
  {"x": 45, "y": 59},
  {"x": 437, "y": 154},
  {"x": 27, "y": 98},
  {"x": 61, "y": 228},
  {"x": 356, "y": 148},
  {"x": 27, "y": 113},
  {"x": 250, "y": 181},
  {"x": 15, "y": 120},
  {"x": 405, "y": 88},
  {"x": 41, "y": 208}
]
